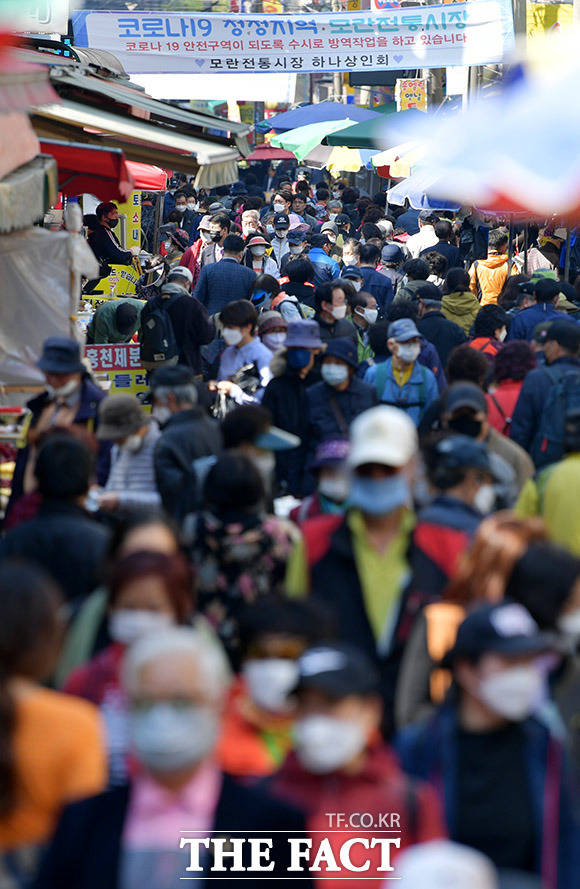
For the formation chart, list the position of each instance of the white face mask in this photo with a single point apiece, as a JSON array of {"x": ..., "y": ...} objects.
[
  {"x": 326, "y": 743},
  {"x": 249, "y": 230},
  {"x": 281, "y": 233},
  {"x": 408, "y": 353},
  {"x": 205, "y": 237},
  {"x": 334, "y": 374},
  {"x": 274, "y": 341},
  {"x": 161, "y": 414},
  {"x": 335, "y": 487},
  {"x": 332, "y": 217},
  {"x": 348, "y": 258},
  {"x": 296, "y": 249},
  {"x": 167, "y": 737},
  {"x": 270, "y": 229},
  {"x": 338, "y": 312},
  {"x": 127, "y": 625},
  {"x": 133, "y": 444},
  {"x": 269, "y": 682},
  {"x": 484, "y": 500},
  {"x": 569, "y": 624},
  {"x": 63, "y": 391},
  {"x": 370, "y": 315},
  {"x": 331, "y": 237},
  {"x": 232, "y": 335},
  {"x": 279, "y": 208},
  {"x": 515, "y": 692},
  {"x": 258, "y": 251},
  {"x": 191, "y": 205},
  {"x": 181, "y": 208}
]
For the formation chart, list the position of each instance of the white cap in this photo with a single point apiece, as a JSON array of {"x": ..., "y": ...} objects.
[
  {"x": 444, "y": 865},
  {"x": 182, "y": 271},
  {"x": 384, "y": 435}
]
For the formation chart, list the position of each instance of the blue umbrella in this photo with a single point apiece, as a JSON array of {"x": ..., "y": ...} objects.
[
  {"x": 306, "y": 114},
  {"x": 416, "y": 190}
]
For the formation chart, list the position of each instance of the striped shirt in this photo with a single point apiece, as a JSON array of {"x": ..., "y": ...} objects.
[{"x": 132, "y": 475}]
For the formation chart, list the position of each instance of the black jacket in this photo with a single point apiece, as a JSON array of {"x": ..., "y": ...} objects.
[
  {"x": 447, "y": 250},
  {"x": 86, "y": 850},
  {"x": 444, "y": 334},
  {"x": 105, "y": 245},
  {"x": 192, "y": 326},
  {"x": 533, "y": 394},
  {"x": 332, "y": 412},
  {"x": 340, "y": 328},
  {"x": 186, "y": 436},
  {"x": 66, "y": 542},
  {"x": 223, "y": 282}
]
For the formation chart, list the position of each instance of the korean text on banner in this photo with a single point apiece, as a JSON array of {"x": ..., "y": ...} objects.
[
  {"x": 418, "y": 37},
  {"x": 122, "y": 364}
]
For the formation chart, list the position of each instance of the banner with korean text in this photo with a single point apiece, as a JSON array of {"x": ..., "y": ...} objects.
[{"x": 473, "y": 33}]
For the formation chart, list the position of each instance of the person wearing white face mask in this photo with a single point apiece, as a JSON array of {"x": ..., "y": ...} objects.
[
  {"x": 401, "y": 380},
  {"x": 257, "y": 255},
  {"x": 280, "y": 245},
  {"x": 331, "y": 309},
  {"x": 340, "y": 763},
  {"x": 147, "y": 593},
  {"x": 364, "y": 314},
  {"x": 500, "y": 768},
  {"x": 341, "y": 396},
  {"x": 175, "y": 682},
  {"x": 191, "y": 259},
  {"x": 272, "y": 330},
  {"x": 239, "y": 321},
  {"x": 131, "y": 482},
  {"x": 250, "y": 223}
]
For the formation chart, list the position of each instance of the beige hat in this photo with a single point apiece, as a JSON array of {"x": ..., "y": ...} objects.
[
  {"x": 120, "y": 416},
  {"x": 384, "y": 435}
]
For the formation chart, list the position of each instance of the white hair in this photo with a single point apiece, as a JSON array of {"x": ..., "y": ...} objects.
[
  {"x": 386, "y": 227},
  {"x": 199, "y": 642},
  {"x": 251, "y": 214}
]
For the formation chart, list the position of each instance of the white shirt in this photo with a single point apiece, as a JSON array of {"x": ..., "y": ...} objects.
[{"x": 424, "y": 239}]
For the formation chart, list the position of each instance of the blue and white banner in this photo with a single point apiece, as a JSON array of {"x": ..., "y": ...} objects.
[{"x": 473, "y": 33}]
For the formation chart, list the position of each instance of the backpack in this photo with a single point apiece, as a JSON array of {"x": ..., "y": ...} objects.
[
  {"x": 156, "y": 335},
  {"x": 380, "y": 382},
  {"x": 563, "y": 397}
]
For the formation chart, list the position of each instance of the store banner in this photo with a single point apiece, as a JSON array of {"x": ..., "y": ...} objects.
[
  {"x": 411, "y": 94},
  {"x": 122, "y": 364},
  {"x": 474, "y": 33}
]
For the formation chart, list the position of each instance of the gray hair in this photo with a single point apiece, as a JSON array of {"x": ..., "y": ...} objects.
[
  {"x": 334, "y": 205},
  {"x": 198, "y": 642},
  {"x": 386, "y": 227},
  {"x": 184, "y": 394}
]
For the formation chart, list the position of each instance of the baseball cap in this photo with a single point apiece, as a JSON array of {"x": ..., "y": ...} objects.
[
  {"x": 382, "y": 434},
  {"x": 331, "y": 452},
  {"x": 125, "y": 318},
  {"x": 329, "y": 227},
  {"x": 281, "y": 220},
  {"x": 545, "y": 289},
  {"x": 458, "y": 451},
  {"x": 402, "y": 330},
  {"x": 429, "y": 293},
  {"x": 351, "y": 271},
  {"x": 428, "y": 216},
  {"x": 296, "y": 236},
  {"x": 392, "y": 253},
  {"x": 337, "y": 670},
  {"x": 465, "y": 395},
  {"x": 566, "y": 333},
  {"x": 216, "y": 207},
  {"x": 507, "y": 628},
  {"x": 343, "y": 348},
  {"x": 342, "y": 219},
  {"x": 180, "y": 271},
  {"x": 275, "y": 439}
]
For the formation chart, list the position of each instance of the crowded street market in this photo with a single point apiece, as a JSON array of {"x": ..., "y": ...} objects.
[{"x": 289, "y": 444}]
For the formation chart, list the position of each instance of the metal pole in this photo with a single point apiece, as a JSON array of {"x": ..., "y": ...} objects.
[
  {"x": 567, "y": 260},
  {"x": 526, "y": 249},
  {"x": 511, "y": 246}
]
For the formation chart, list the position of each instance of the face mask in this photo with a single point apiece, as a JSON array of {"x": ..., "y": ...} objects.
[
  {"x": 205, "y": 237},
  {"x": 265, "y": 464},
  {"x": 181, "y": 208},
  {"x": 281, "y": 233},
  {"x": 370, "y": 315},
  {"x": 127, "y": 625},
  {"x": 161, "y": 414},
  {"x": 408, "y": 353},
  {"x": 191, "y": 205},
  {"x": 379, "y": 496},
  {"x": 515, "y": 692},
  {"x": 484, "y": 500},
  {"x": 269, "y": 682},
  {"x": 274, "y": 341},
  {"x": 258, "y": 251},
  {"x": 270, "y": 229},
  {"x": 466, "y": 425},
  {"x": 295, "y": 249},
  {"x": 334, "y": 374},
  {"x": 569, "y": 624},
  {"x": 167, "y": 737},
  {"x": 63, "y": 391},
  {"x": 248, "y": 230},
  {"x": 167, "y": 245},
  {"x": 279, "y": 208},
  {"x": 332, "y": 217},
  {"x": 326, "y": 743},
  {"x": 334, "y": 487},
  {"x": 298, "y": 358},
  {"x": 331, "y": 238},
  {"x": 133, "y": 444},
  {"x": 113, "y": 223},
  {"x": 338, "y": 312},
  {"x": 232, "y": 335},
  {"x": 215, "y": 236},
  {"x": 349, "y": 259}
]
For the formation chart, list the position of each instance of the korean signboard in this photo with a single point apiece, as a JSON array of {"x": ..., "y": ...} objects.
[
  {"x": 122, "y": 364},
  {"x": 411, "y": 94},
  {"x": 413, "y": 37}
]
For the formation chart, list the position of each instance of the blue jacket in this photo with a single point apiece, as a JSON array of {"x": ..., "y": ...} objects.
[
  {"x": 417, "y": 393},
  {"x": 325, "y": 268},
  {"x": 523, "y": 324},
  {"x": 447, "y": 250},
  {"x": 530, "y": 405},
  {"x": 429, "y": 751},
  {"x": 223, "y": 282},
  {"x": 378, "y": 286},
  {"x": 331, "y": 412}
]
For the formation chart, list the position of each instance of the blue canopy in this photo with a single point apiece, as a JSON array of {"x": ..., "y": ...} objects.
[
  {"x": 416, "y": 190},
  {"x": 306, "y": 114}
]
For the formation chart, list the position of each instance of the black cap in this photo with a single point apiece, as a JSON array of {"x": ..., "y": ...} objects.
[
  {"x": 171, "y": 377},
  {"x": 566, "y": 333},
  {"x": 465, "y": 395},
  {"x": 342, "y": 219},
  {"x": 343, "y": 348},
  {"x": 296, "y": 236},
  {"x": 428, "y": 292},
  {"x": 338, "y": 670},
  {"x": 507, "y": 628},
  {"x": 545, "y": 289},
  {"x": 125, "y": 318},
  {"x": 281, "y": 220},
  {"x": 459, "y": 451},
  {"x": 351, "y": 271}
]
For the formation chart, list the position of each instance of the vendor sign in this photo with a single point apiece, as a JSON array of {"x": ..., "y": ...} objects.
[
  {"x": 411, "y": 94},
  {"x": 122, "y": 280},
  {"x": 414, "y": 37},
  {"x": 122, "y": 364}
]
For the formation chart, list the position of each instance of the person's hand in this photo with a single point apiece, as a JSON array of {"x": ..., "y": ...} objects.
[
  {"x": 135, "y": 250},
  {"x": 108, "y": 501}
]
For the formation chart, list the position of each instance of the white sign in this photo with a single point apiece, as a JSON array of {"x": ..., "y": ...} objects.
[
  {"x": 37, "y": 16},
  {"x": 473, "y": 33}
]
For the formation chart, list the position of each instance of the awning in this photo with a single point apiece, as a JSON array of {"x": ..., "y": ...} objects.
[
  {"x": 84, "y": 169},
  {"x": 147, "y": 177},
  {"x": 307, "y": 114},
  {"x": 27, "y": 193}
]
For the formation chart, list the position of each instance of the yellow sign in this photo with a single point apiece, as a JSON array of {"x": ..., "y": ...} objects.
[
  {"x": 122, "y": 280},
  {"x": 543, "y": 18},
  {"x": 411, "y": 94},
  {"x": 353, "y": 5}
]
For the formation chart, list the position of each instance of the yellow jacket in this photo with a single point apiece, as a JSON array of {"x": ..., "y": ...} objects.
[{"x": 487, "y": 277}]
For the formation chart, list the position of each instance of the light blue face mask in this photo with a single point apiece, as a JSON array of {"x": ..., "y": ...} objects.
[{"x": 379, "y": 496}]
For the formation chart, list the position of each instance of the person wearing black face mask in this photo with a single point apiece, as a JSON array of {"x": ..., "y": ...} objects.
[
  {"x": 465, "y": 412},
  {"x": 104, "y": 242}
]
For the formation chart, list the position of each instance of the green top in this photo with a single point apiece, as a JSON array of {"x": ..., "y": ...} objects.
[
  {"x": 554, "y": 495},
  {"x": 102, "y": 328}
]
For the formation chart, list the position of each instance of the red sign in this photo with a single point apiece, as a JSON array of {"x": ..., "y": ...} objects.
[{"x": 125, "y": 356}]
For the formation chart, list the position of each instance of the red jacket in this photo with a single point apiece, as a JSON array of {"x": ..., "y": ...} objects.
[
  {"x": 487, "y": 345},
  {"x": 191, "y": 259},
  {"x": 501, "y": 404}
]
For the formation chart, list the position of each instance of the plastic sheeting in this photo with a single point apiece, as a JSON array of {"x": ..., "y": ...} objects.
[{"x": 39, "y": 270}]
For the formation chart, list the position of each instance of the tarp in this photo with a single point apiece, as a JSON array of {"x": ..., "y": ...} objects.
[
  {"x": 307, "y": 114},
  {"x": 84, "y": 169},
  {"x": 36, "y": 270},
  {"x": 419, "y": 37},
  {"x": 147, "y": 177}
]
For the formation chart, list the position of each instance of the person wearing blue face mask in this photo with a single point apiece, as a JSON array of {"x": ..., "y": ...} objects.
[
  {"x": 357, "y": 564},
  {"x": 287, "y": 400}
]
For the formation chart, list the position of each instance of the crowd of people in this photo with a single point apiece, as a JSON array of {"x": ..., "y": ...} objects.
[{"x": 329, "y": 564}]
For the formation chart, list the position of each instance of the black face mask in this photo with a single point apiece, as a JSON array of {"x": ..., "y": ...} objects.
[
  {"x": 216, "y": 236},
  {"x": 466, "y": 426},
  {"x": 113, "y": 223}
]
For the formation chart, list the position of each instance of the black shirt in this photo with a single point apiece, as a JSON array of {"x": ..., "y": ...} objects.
[{"x": 493, "y": 798}]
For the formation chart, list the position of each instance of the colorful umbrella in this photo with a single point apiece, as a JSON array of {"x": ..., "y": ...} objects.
[
  {"x": 307, "y": 114},
  {"x": 417, "y": 190},
  {"x": 269, "y": 153},
  {"x": 398, "y": 158},
  {"x": 381, "y": 132}
]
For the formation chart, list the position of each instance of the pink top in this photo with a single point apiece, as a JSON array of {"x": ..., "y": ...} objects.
[{"x": 156, "y": 816}]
